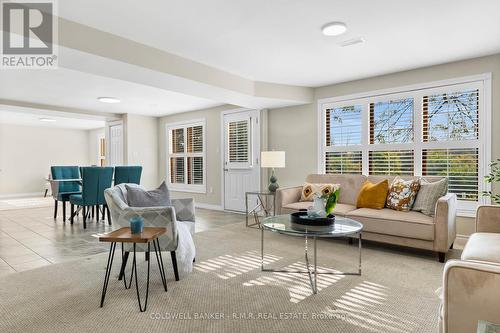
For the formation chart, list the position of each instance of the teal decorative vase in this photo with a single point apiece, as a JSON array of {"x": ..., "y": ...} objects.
[{"x": 136, "y": 224}]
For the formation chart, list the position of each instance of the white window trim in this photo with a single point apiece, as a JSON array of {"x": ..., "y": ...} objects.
[
  {"x": 176, "y": 187},
  {"x": 483, "y": 81}
]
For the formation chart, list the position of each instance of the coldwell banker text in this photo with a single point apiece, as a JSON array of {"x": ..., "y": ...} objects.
[{"x": 29, "y": 35}]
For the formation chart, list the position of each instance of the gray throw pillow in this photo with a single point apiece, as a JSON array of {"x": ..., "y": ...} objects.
[
  {"x": 137, "y": 197},
  {"x": 429, "y": 194}
]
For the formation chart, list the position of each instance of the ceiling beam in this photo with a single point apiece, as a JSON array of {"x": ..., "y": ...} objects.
[{"x": 90, "y": 50}]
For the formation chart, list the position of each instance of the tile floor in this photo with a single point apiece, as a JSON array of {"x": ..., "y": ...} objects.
[{"x": 31, "y": 238}]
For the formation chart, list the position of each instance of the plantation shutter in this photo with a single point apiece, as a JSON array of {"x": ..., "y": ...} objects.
[
  {"x": 343, "y": 126},
  {"x": 177, "y": 170},
  {"x": 451, "y": 116},
  {"x": 391, "y": 162},
  {"x": 460, "y": 165},
  {"x": 391, "y": 122},
  {"x": 239, "y": 143},
  {"x": 195, "y": 139},
  {"x": 343, "y": 162}
]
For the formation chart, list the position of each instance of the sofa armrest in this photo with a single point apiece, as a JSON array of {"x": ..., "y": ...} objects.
[
  {"x": 287, "y": 195},
  {"x": 184, "y": 209},
  {"x": 444, "y": 221},
  {"x": 488, "y": 219},
  {"x": 471, "y": 292}
]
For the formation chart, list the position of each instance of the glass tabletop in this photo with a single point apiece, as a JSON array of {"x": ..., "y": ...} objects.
[{"x": 343, "y": 226}]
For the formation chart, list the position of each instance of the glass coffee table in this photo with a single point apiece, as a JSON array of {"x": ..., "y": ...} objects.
[{"x": 343, "y": 227}]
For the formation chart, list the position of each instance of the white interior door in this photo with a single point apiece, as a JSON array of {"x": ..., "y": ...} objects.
[
  {"x": 241, "y": 157},
  {"x": 115, "y": 144}
]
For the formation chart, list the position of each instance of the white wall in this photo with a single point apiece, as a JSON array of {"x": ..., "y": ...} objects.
[
  {"x": 141, "y": 147},
  {"x": 26, "y": 154}
]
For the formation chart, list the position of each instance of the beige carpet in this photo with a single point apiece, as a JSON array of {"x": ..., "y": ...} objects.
[{"x": 227, "y": 292}]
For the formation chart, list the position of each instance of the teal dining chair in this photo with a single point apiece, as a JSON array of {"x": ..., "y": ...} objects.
[
  {"x": 128, "y": 174},
  {"x": 94, "y": 181},
  {"x": 62, "y": 190}
]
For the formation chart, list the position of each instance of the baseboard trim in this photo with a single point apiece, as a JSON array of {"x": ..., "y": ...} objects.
[
  {"x": 21, "y": 195},
  {"x": 208, "y": 206},
  {"x": 460, "y": 241}
]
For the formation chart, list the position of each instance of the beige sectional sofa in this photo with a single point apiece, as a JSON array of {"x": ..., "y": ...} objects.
[{"x": 412, "y": 229}]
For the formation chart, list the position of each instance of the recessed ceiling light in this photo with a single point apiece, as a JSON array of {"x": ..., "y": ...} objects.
[
  {"x": 108, "y": 99},
  {"x": 47, "y": 120},
  {"x": 334, "y": 29}
]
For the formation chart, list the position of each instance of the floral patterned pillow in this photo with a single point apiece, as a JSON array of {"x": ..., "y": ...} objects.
[
  {"x": 310, "y": 189},
  {"x": 402, "y": 194}
]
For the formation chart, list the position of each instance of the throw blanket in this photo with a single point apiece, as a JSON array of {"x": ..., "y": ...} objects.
[{"x": 186, "y": 251}]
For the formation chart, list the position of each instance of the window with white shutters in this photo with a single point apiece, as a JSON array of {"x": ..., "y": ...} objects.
[
  {"x": 186, "y": 154},
  {"x": 430, "y": 131}
]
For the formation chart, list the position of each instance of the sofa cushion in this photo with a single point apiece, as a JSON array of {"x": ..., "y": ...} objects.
[
  {"x": 391, "y": 222},
  {"x": 138, "y": 197},
  {"x": 340, "y": 209},
  {"x": 349, "y": 185},
  {"x": 429, "y": 194},
  {"x": 309, "y": 190},
  {"x": 373, "y": 195},
  {"x": 482, "y": 246},
  {"x": 402, "y": 194}
]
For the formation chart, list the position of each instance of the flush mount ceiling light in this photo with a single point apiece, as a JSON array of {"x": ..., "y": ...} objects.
[
  {"x": 334, "y": 29},
  {"x": 108, "y": 100},
  {"x": 47, "y": 120}
]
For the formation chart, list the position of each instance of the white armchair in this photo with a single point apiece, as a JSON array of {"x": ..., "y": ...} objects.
[
  {"x": 471, "y": 286},
  {"x": 179, "y": 219}
]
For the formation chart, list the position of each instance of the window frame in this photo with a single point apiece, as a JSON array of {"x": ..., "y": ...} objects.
[
  {"x": 482, "y": 82},
  {"x": 185, "y": 187}
]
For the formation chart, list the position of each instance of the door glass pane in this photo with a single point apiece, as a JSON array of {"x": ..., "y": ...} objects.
[
  {"x": 343, "y": 126},
  {"x": 239, "y": 141},
  {"x": 392, "y": 121},
  {"x": 178, "y": 140},
  {"x": 177, "y": 170}
]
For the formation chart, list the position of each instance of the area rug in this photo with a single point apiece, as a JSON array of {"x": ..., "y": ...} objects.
[{"x": 227, "y": 292}]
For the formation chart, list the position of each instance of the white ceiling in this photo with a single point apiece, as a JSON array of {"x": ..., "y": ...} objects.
[
  {"x": 33, "y": 119},
  {"x": 280, "y": 40},
  {"x": 73, "y": 89}
]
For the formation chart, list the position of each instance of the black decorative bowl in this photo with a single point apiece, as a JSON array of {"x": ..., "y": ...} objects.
[{"x": 302, "y": 218}]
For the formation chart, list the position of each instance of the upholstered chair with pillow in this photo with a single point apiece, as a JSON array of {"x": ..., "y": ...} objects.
[{"x": 178, "y": 218}]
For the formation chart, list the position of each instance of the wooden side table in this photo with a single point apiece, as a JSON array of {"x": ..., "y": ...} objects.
[{"x": 124, "y": 235}]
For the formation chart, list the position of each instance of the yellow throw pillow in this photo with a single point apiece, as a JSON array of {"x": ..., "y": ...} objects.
[
  {"x": 373, "y": 195},
  {"x": 309, "y": 189}
]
